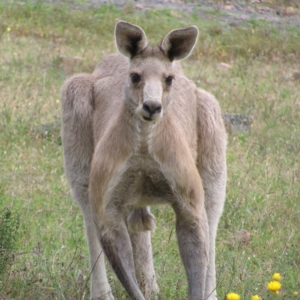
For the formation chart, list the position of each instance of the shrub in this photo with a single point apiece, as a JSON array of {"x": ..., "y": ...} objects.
[{"x": 9, "y": 225}]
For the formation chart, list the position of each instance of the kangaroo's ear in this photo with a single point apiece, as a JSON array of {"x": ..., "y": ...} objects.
[
  {"x": 179, "y": 43},
  {"x": 130, "y": 39}
]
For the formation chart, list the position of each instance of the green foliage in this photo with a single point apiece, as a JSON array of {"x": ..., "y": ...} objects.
[{"x": 9, "y": 225}]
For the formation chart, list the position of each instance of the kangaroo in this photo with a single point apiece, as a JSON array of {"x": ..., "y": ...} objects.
[{"x": 137, "y": 133}]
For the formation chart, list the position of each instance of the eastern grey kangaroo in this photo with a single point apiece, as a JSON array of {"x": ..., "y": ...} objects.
[{"x": 138, "y": 133}]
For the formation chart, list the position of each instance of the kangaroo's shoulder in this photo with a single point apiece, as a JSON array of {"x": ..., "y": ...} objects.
[{"x": 113, "y": 65}]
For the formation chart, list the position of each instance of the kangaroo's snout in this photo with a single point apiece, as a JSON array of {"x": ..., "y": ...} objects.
[
  {"x": 152, "y": 107},
  {"x": 151, "y": 110}
]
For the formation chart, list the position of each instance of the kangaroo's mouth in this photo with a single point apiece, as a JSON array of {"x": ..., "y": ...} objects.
[{"x": 147, "y": 119}]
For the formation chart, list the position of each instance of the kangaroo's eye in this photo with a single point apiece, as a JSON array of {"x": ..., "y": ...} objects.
[
  {"x": 135, "y": 77},
  {"x": 169, "y": 80}
]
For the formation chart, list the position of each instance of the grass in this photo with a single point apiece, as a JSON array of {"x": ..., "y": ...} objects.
[{"x": 38, "y": 46}]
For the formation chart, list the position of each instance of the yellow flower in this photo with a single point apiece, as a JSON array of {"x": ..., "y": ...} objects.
[
  {"x": 295, "y": 293},
  {"x": 255, "y": 297},
  {"x": 8, "y": 29},
  {"x": 232, "y": 296},
  {"x": 276, "y": 276},
  {"x": 274, "y": 286}
]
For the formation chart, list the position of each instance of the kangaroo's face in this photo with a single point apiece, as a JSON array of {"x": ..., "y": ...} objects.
[
  {"x": 149, "y": 81},
  {"x": 149, "y": 86}
]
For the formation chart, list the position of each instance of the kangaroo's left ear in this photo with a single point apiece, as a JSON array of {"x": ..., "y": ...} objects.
[{"x": 179, "y": 43}]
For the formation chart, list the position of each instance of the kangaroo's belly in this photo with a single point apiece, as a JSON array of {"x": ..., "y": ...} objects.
[{"x": 143, "y": 183}]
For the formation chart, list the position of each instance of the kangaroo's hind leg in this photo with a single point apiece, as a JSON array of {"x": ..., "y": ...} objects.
[
  {"x": 77, "y": 135},
  {"x": 140, "y": 223},
  {"x": 212, "y": 169},
  {"x": 214, "y": 197}
]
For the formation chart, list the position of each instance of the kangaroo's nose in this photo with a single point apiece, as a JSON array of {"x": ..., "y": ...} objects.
[{"x": 152, "y": 107}]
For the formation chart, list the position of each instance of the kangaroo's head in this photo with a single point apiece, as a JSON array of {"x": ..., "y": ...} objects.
[{"x": 149, "y": 83}]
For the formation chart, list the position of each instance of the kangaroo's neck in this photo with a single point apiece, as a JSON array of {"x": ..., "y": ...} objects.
[{"x": 142, "y": 131}]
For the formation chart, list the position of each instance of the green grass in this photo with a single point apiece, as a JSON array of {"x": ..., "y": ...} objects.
[{"x": 263, "y": 166}]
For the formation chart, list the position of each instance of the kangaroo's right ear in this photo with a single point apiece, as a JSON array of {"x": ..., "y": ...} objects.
[{"x": 130, "y": 39}]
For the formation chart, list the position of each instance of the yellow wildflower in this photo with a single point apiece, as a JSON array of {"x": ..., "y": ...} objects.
[
  {"x": 295, "y": 293},
  {"x": 276, "y": 276},
  {"x": 274, "y": 286},
  {"x": 255, "y": 297},
  {"x": 232, "y": 296},
  {"x": 8, "y": 29}
]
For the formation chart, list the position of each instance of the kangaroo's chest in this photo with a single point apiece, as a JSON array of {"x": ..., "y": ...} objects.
[{"x": 143, "y": 182}]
